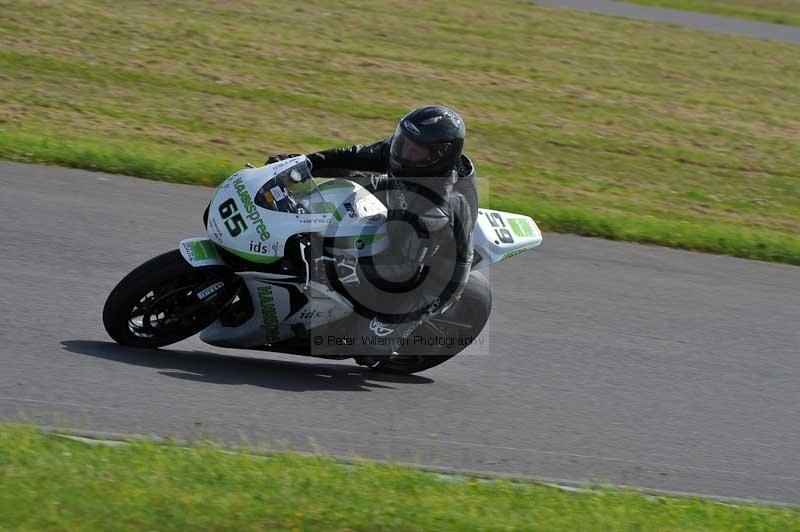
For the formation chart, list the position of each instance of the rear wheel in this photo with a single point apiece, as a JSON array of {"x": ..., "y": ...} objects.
[
  {"x": 157, "y": 304},
  {"x": 445, "y": 335}
]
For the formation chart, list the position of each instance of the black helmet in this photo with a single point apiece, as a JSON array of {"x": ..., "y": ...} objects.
[{"x": 428, "y": 141}]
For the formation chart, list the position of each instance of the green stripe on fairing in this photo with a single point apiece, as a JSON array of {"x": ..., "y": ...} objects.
[
  {"x": 203, "y": 249},
  {"x": 520, "y": 226},
  {"x": 518, "y": 251},
  {"x": 197, "y": 250},
  {"x": 321, "y": 207},
  {"x": 515, "y": 227},
  {"x": 208, "y": 247},
  {"x": 253, "y": 257}
]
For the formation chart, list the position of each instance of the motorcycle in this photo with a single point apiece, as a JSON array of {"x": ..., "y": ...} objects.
[{"x": 278, "y": 267}]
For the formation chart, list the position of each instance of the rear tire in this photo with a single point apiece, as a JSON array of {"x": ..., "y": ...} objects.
[
  {"x": 157, "y": 304},
  {"x": 470, "y": 313}
]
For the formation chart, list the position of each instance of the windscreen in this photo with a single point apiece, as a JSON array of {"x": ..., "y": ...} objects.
[{"x": 293, "y": 190}]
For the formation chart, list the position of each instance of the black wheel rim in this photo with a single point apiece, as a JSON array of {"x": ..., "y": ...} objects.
[{"x": 168, "y": 309}]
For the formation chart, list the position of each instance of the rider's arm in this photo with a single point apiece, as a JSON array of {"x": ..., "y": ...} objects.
[{"x": 372, "y": 158}]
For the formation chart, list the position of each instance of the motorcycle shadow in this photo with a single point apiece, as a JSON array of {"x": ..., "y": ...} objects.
[{"x": 214, "y": 368}]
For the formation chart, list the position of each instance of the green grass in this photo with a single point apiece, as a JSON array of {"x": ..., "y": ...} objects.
[
  {"x": 58, "y": 484},
  {"x": 594, "y": 125},
  {"x": 775, "y": 11}
]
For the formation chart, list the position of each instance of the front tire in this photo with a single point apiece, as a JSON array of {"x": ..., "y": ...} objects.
[
  {"x": 157, "y": 303},
  {"x": 465, "y": 320}
]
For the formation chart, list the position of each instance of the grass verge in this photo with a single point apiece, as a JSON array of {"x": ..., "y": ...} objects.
[
  {"x": 55, "y": 483},
  {"x": 594, "y": 125},
  {"x": 775, "y": 11}
]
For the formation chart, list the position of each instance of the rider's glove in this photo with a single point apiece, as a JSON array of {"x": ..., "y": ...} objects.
[
  {"x": 316, "y": 159},
  {"x": 281, "y": 156}
]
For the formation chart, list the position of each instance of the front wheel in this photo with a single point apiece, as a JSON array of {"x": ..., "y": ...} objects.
[
  {"x": 163, "y": 301},
  {"x": 460, "y": 324}
]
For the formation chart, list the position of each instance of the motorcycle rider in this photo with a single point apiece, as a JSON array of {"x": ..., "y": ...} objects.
[{"x": 430, "y": 190}]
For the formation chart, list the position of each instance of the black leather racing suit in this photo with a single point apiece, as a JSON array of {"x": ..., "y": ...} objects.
[
  {"x": 340, "y": 162},
  {"x": 431, "y": 222}
]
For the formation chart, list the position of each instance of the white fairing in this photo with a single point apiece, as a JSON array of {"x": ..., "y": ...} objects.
[
  {"x": 272, "y": 319},
  {"x": 341, "y": 209},
  {"x": 270, "y": 306},
  {"x": 501, "y": 235}
]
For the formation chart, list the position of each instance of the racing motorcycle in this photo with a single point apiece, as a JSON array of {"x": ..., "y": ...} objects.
[{"x": 278, "y": 268}]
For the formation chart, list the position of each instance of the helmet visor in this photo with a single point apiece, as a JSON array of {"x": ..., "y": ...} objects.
[{"x": 410, "y": 154}]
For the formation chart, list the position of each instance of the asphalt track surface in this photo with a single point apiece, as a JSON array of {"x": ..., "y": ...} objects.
[
  {"x": 603, "y": 361},
  {"x": 701, "y": 21}
]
